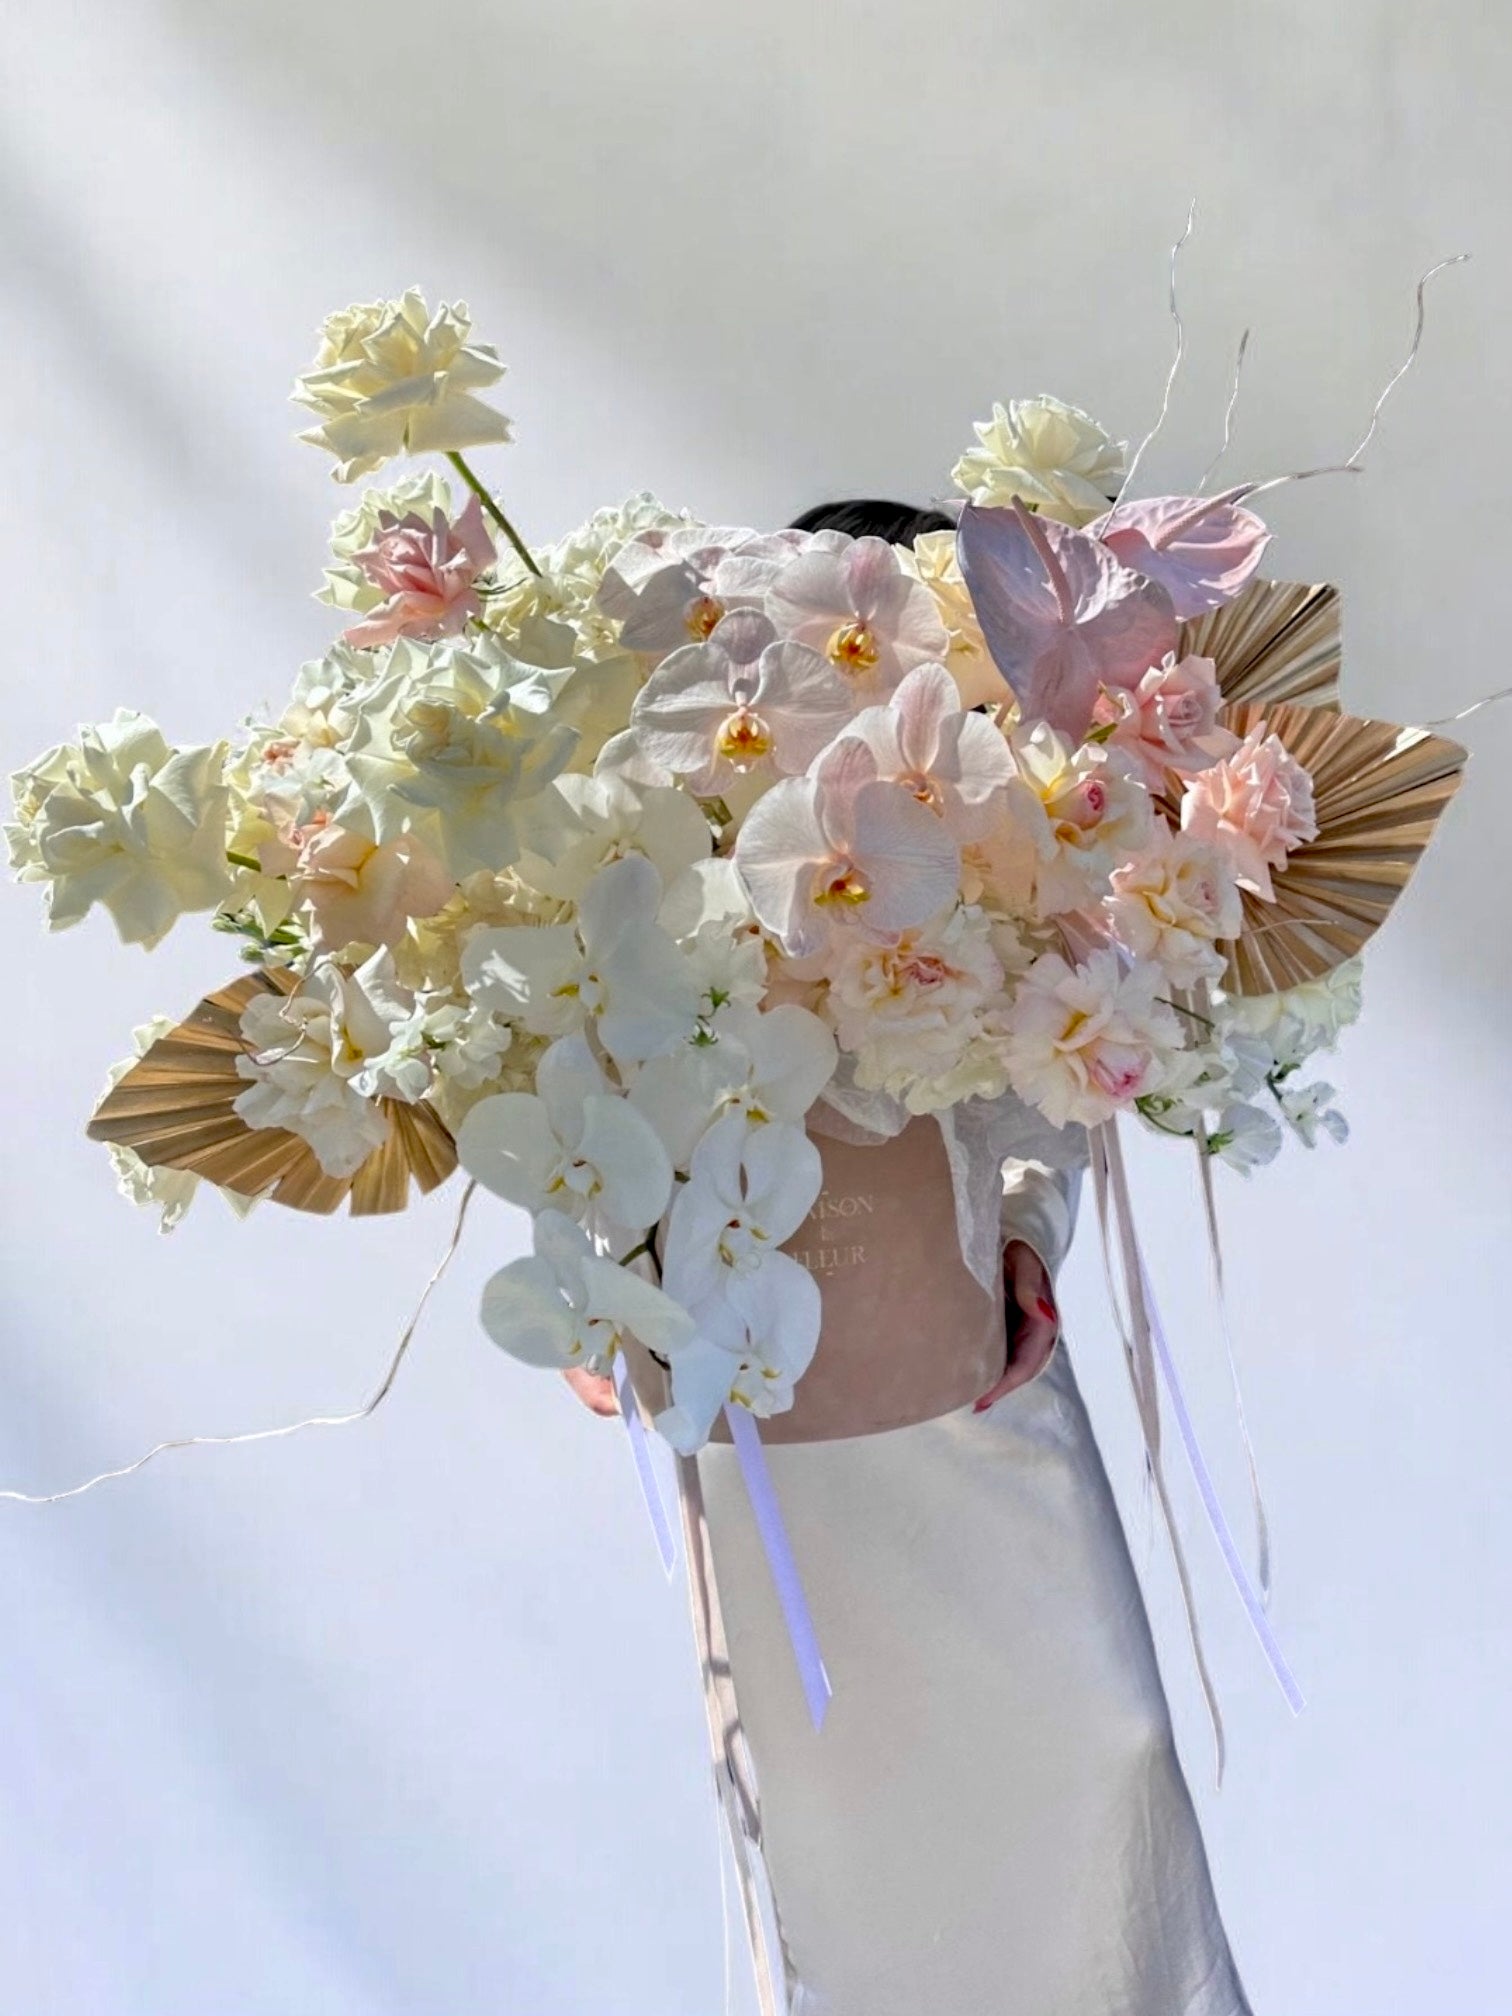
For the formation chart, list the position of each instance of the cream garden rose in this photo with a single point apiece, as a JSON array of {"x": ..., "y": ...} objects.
[
  {"x": 1053, "y": 456},
  {"x": 396, "y": 376},
  {"x": 123, "y": 819}
]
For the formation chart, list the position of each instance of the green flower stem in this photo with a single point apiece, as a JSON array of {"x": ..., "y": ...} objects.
[{"x": 492, "y": 509}]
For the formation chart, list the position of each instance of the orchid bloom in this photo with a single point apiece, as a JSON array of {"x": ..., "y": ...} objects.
[
  {"x": 757, "y": 1309},
  {"x": 614, "y": 965},
  {"x": 744, "y": 702},
  {"x": 1062, "y": 615},
  {"x": 658, "y": 586},
  {"x": 565, "y": 1306},
  {"x": 768, "y": 1066},
  {"x": 841, "y": 847},
  {"x": 574, "y": 1145},
  {"x": 956, "y": 763},
  {"x": 857, "y": 605}
]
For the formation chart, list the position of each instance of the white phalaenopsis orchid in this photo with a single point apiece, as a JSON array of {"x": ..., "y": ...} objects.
[
  {"x": 658, "y": 587},
  {"x": 770, "y": 1066},
  {"x": 614, "y": 966},
  {"x": 746, "y": 703},
  {"x": 572, "y": 1145},
  {"x": 566, "y": 1306},
  {"x": 580, "y": 824},
  {"x": 757, "y": 1309},
  {"x": 841, "y": 847},
  {"x": 955, "y": 762}
]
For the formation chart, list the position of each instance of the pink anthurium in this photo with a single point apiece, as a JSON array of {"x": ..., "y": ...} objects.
[
  {"x": 1061, "y": 614},
  {"x": 842, "y": 847},
  {"x": 1201, "y": 550}
]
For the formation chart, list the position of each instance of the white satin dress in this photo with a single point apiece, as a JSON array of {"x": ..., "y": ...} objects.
[{"x": 993, "y": 1820}]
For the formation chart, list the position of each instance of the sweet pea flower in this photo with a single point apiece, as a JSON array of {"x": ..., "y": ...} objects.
[
  {"x": 613, "y": 965},
  {"x": 1173, "y": 902},
  {"x": 360, "y": 892},
  {"x": 425, "y": 574},
  {"x": 121, "y": 818},
  {"x": 857, "y": 606},
  {"x": 765, "y": 1066},
  {"x": 1257, "y": 805},
  {"x": 958, "y": 764},
  {"x": 841, "y": 847},
  {"x": 757, "y": 1309},
  {"x": 1053, "y": 456},
  {"x": 392, "y": 376},
  {"x": 1245, "y": 1137},
  {"x": 319, "y": 1059},
  {"x": 1084, "y": 1042},
  {"x": 1308, "y": 1113},
  {"x": 566, "y": 1306},
  {"x": 745, "y": 703},
  {"x": 1169, "y": 721},
  {"x": 573, "y": 1145}
]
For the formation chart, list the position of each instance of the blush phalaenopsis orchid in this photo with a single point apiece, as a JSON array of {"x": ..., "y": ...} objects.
[
  {"x": 746, "y": 703},
  {"x": 842, "y": 849},
  {"x": 659, "y": 586},
  {"x": 956, "y": 763},
  {"x": 857, "y": 606},
  {"x": 427, "y": 573}
]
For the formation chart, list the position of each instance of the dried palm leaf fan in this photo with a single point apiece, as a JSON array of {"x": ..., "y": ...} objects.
[
  {"x": 1379, "y": 791},
  {"x": 174, "y": 1107},
  {"x": 1277, "y": 640}
]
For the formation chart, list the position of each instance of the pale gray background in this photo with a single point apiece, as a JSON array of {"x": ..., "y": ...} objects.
[{"x": 403, "y": 1721}]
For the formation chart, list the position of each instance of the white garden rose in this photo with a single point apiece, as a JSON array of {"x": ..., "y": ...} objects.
[
  {"x": 1053, "y": 456},
  {"x": 395, "y": 376},
  {"x": 124, "y": 819},
  {"x": 1301, "y": 1020}
]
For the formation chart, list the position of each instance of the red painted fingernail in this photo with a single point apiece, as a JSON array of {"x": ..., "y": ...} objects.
[{"x": 1047, "y": 1309}]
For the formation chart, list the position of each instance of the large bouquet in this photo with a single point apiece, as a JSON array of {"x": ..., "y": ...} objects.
[{"x": 594, "y": 867}]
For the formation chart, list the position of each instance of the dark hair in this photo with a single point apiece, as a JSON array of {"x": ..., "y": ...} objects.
[{"x": 873, "y": 517}]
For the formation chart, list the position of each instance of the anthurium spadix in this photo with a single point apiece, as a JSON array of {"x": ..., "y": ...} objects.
[
  {"x": 1200, "y": 550},
  {"x": 567, "y": 1306},
  {"x": 1061, "y": 613},
  {"x": 573, "y": 1145},
  {"x": 841, "y": 847}
]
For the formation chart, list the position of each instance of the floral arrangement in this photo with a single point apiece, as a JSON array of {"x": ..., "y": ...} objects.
[{"x": 594, "y": 867}]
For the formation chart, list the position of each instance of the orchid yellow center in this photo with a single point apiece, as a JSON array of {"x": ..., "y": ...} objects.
[
  {"x": 701, "y": 616},
  {"x": 842, "y": 884},
  {"x": 853, "y": 648},
  {"x": 743, "y": 739}
]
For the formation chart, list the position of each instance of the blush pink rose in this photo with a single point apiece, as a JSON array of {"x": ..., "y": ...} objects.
[
  {"x": 426, "y": 573},
  {"x": 1169, "y": 720},
  {"x": 360, "y": 892},
  {"x": 1256, "y": 805}
]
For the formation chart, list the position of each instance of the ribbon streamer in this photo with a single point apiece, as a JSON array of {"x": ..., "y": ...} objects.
[
  {"x": 640, "y": 1452},
  {"x": 369, "y": 1406},
  {"x": 779, "y": 1552},
  {"x": 1113, "y": 1186}
]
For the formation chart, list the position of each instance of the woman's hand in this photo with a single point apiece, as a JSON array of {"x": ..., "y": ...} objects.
[
  {"x": 1033, "y": 1323},
  {"x": 594, "y": 1390}
]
